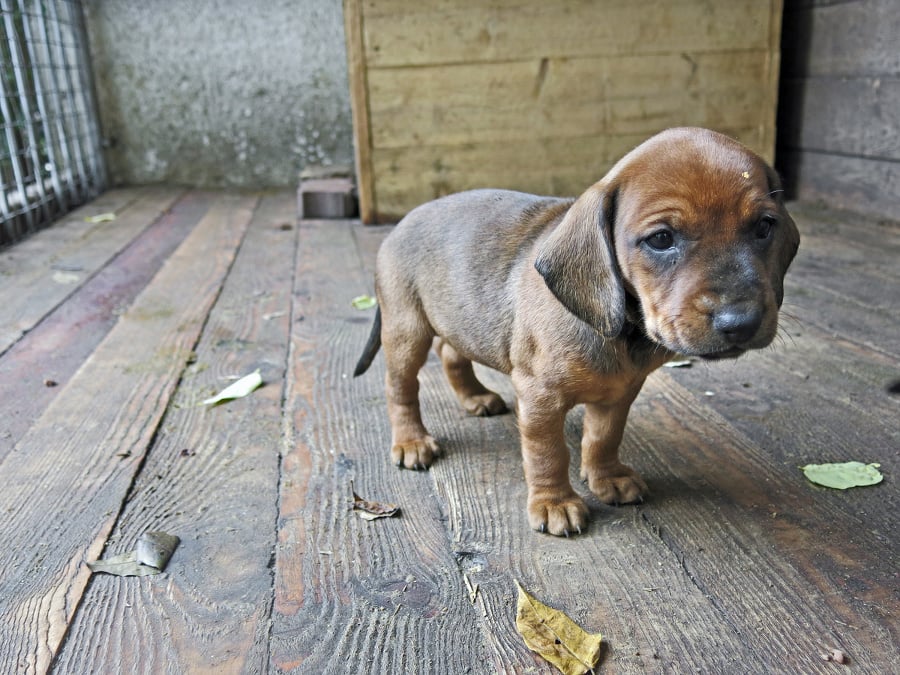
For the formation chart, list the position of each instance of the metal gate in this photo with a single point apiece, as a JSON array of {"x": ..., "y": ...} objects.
[{"x": 50, "y": 154}]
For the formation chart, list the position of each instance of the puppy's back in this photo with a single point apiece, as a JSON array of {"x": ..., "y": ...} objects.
[{"x": 459, "y": 258}]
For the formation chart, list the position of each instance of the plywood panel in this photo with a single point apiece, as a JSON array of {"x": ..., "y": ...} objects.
[
  {"x": 506, "y": 88},
  {"x": 457, "y": 104},
  {"x": 398, "y": 35}
]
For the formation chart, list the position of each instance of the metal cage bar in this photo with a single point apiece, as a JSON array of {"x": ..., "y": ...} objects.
[{"x": 50, "y": 152}]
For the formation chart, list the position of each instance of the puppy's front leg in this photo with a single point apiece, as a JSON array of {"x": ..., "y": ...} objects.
[
  {"x": 553, "y": 506},
  {"x": 609, "y": 479}
]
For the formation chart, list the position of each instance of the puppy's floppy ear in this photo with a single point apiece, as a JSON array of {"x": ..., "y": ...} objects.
[
  {"x": 789, "y": 237},
  {"x": 578, "y": 264}
]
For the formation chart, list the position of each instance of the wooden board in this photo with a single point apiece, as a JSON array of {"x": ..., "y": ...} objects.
[
  {"x": 34, "y": 370},
  {"x": 47, "y": 268},
  {"x": 838, "y": 138},
  {"x": 211, "y": 476},
  {"x": 452, "y": 85},
  {"x": 65, "y": 479}
]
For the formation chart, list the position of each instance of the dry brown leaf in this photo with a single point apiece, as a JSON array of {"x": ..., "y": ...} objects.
[
  {"x": 371, "y": 510},
  {"x": 553, "y": 635}
]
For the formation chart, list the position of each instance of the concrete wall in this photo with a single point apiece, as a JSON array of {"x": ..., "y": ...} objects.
[
  {"x": 839, "y": 108},
  {"x": 220, "y": 92}
]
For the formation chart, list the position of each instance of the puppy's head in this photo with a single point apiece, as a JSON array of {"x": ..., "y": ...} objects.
[{"x": 690, "y": 224}]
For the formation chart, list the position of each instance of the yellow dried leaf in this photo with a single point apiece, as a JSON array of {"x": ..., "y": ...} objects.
[{"x": 554, "y": 636}]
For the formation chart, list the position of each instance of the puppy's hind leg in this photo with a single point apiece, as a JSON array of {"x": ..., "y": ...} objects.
[
  {"x": 475, "y": 397},
  {"x": 406, "y": 344}
]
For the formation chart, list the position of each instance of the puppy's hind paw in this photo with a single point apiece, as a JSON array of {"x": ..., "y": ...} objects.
[
  {"x": 485, "y": 405},
  {"x": 417, "y": 454},
  {"x": 623, "y": 486},
  {"x": 563, "y": 517}
]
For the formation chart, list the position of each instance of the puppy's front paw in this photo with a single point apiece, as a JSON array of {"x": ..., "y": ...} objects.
[
  {"x": 416, "y": 453},
  {"x": 619, "y": 485},
  {"x": 484, "y": 405},
  {"x": 562, "y": 515}
]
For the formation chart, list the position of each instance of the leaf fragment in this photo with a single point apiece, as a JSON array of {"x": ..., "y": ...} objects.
[
  {"x": 66, "y": 277},
  {"x": 843, "y": 475},
  {"x": 364, "y": 302},
  {"x": 373, "y": 510},
  {"x": 554, "y": 636},
  {"x": 101, "y": 218},
  {"x": 238, "y": 389},
  {"x": 150, "y": 556},
  {"x": 679, "y": 363}
]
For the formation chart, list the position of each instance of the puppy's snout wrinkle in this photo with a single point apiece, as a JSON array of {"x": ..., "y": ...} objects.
[{"x": 737, "y": 325}]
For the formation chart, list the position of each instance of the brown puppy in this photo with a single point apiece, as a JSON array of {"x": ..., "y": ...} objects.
[{"x": 680, "y": 249}]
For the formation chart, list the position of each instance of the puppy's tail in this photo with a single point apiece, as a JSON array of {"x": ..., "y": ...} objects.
[{"x": 372, "y": 346}]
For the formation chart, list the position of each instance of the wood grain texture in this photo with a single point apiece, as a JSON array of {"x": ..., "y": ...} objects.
[
  {"x": 55, "y": 348},
  {"x": 47, "y": 268},
  {"x": 211, "y": 610},
  {"x": 398, "y": 35},
  {"x": 553, "y": 99},
  {"x": 65, "y": 479}
]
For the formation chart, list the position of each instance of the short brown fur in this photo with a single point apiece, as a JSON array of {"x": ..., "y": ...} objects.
[{"x": 578, "y": 301}]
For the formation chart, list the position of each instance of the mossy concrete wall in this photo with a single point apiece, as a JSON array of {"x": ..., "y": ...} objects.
[{"x": 220, "y": 93}]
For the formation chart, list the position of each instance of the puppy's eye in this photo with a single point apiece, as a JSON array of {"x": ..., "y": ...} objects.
[
  {"x": 764, "y": 227},
  {"x": 660, "y": 241}
]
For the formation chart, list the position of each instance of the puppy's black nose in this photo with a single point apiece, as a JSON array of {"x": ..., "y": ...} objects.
[{"x": 737, "y": 325}]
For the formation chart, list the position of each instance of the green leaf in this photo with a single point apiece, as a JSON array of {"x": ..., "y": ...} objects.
[
  {"x": 843, "y": 475},
  {"x": 101, "y": 218},
  {"x": 364, "y": 302},
  {"x": 239, "y": 389}
]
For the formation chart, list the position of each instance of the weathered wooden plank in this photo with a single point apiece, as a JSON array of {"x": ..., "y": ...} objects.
[
  {"x": 65, "y": 480},
  {"x": 46, "y": 269},
  {"x": 397, "y": 34},
  {"x": 595, "y": 80},
  {"x": 841, "y": 38},
  {"x": 794, "y": 584},
  {"x": 866, "y": 185},
  {"x": 515, "y": 118},
  {"x": 56, "y": 347},
  {"x": 829, "y": 110},
  {"x": 220, "y": 496},
  {"x": 359, "y": 102},
  {"x": 350, "y": 595}
]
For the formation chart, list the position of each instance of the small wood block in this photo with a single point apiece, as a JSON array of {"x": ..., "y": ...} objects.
[{"x": 332, "y": 197}]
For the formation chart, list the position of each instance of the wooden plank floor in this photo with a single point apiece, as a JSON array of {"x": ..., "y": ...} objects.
[{"x": 112, "y": 333}]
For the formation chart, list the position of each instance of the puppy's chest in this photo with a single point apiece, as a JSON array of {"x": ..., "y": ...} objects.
[{"x": 613, "y": 373}]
